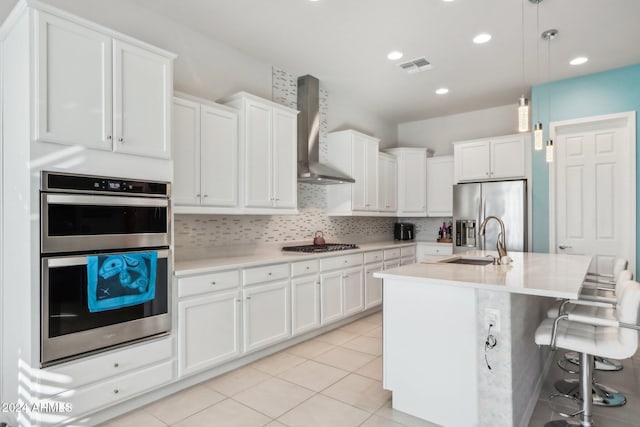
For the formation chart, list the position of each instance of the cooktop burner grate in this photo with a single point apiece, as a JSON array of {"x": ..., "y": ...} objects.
[{"x": 329, "y": 247}]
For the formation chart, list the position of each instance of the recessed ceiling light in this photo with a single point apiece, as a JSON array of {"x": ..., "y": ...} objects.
[
  {"x": 482, "y": 38},
  {"x": 579, "y": 60},
  {"x": 394, "y": 55},
  {"x": 442, "y": 91},
  {"x": 447, "y": 1}
]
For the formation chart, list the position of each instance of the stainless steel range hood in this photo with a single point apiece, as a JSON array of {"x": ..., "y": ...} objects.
[{"x": 310, "y": 170}]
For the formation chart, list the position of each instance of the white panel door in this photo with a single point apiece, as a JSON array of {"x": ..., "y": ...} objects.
[
  {"x": 371, "y": 178},
  {"x": 185, "y": 131},
  {"x": 258, "y": 176},
  {"x": 209, "y": 331},
  {"x": 143, "y": 84},
  {"x": 285, "y": 157},
  {"x": 507, "y": 158},
  {"x": 472, "y": 160},
  {"x": 387, "y": 184},
  {"x": 359, "y": 173},
  {"x": 73, "y": 90},
  {"x": 594, "y": 194},
  {"x": 353, "y": 291},
  {"x": 266, "y": 314},
  {"x": 305, "y": 303},
  {"x": 413, "y": 199},
  {"x": 372, "y": 286},
  {"x": 440, "y": 186},
  {"x": 331, "y": 297},
  {"x": 219, "y": 159}
]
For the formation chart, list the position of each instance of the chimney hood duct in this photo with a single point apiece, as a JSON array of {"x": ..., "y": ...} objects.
[{"x": 310, "y": 170}]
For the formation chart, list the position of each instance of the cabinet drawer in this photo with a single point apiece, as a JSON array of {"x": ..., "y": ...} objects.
[
  {"x": 375, "y": 256},
  {"x": 207, "y": 283},
  {"x": 106, "y": 365},
  {"x": 440, "y": 249},
  {"x": 391, "y": 253},
  {"x": 304, "y": 267},
  {"x": 265, "y": 274},
  {"x": 407, "y": 251},
  {"x": 106, "y": 393},
  {"x": 340, "y": 262}
]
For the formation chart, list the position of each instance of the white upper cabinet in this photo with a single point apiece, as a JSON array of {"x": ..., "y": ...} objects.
[
  {"x": 100, "y": 92},
  {"x": 268, "y": 147},
  {"x": 387, "y": 183},
  {"x": 503, "y": 157},
  {"x": 205, "y": 153},
  {"x": 412, "y": 181},
  {"x": 356, "y": 155},
  {"x": 440, "y": 186}
]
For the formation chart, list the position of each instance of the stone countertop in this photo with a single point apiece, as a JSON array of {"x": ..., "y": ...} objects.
[
  {"x": 548, "y": 275},
  {"x": 272, "y": 256}
]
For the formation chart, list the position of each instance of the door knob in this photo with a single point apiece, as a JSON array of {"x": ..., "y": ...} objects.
[{"x": 564, "y": 247}]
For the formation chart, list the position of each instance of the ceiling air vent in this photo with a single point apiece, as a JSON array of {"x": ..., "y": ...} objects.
[{"x": 416, "y": 65}]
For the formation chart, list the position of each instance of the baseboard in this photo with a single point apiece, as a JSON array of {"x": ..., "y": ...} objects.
[{"x": 535, "y": 396}]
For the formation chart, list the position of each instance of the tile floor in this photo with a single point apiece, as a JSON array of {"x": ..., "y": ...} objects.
[{"x": 333, "y": 380}]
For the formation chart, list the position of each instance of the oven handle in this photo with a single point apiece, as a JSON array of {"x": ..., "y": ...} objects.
[
  {"x": 82, "y": 259},
  {"x": 63, "y": 199}
]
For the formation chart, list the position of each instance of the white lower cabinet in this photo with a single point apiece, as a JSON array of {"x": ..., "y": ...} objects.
[
  {"x": 341, "y": 291},
  {"x": 266, "y": 314},
  {"x": 353, "y": 291},
  {"x": 331, "y": 298},
  {"x": 209, "y": 330},
  {"x": 305, "y": 303},
  {"x": 427, "y": 251},
  {"x": 372, "y": 285}
]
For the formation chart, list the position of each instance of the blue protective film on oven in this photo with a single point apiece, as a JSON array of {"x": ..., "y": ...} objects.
[{"x": 120, "y": 280}]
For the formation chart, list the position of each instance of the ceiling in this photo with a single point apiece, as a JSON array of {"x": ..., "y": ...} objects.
[{"x": 345, "y": 42}]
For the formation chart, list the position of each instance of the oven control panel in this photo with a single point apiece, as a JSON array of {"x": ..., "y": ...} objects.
[{"x": 96, "y": 184}]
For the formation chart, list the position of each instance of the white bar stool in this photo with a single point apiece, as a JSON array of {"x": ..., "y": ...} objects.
[{"x": 593, "y": 336}]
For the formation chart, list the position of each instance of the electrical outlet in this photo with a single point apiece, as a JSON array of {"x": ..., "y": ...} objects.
[{"x": 492, "y": 317}]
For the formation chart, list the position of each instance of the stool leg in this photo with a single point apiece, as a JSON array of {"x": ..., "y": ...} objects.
[{"x": 586, "y": 377}]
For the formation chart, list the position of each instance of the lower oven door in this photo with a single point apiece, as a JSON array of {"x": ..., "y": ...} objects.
[{"x": 69, "y": 328}]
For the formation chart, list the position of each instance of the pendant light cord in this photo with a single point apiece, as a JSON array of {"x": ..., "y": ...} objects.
[
  {"x": 522, "y": 16},
  {"x": 537, "y": 55}
]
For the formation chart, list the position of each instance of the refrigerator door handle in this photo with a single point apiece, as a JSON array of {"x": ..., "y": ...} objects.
[{"x": 480, "y": 238}]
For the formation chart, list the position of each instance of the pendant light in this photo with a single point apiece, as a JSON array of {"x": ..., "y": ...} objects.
[
  {"x": 538, "y": 132},
  {"x": 523, "y": 102},
  {"x": 548, "y": 36}
]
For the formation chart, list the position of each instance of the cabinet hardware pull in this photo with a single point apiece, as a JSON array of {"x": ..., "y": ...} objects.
[
  {"x": 197, "y": 195},
  {"x": 121, "y": 139},
  {"x": 345, "y": 277},
  {"x": 564, "y": 247},
  {"x": 237, "y": 300},
  {"x": 308, "y": 267},
  {"x": 206, "y": 195},
  {"x": 109, "y": 137},
  {"x": 116, "y": 391},
  {"x": 116, "y": 365},
  {"x": 269, "y": 273},
  {"x": 213, "y": 283},
  {"x": 248, "y": 297}
]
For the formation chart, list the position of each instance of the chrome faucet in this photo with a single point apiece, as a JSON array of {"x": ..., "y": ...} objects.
[{"x": 501, "y": 245}]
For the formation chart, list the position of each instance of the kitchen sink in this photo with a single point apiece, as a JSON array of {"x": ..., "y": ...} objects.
[{"x": 470, "y": 261}]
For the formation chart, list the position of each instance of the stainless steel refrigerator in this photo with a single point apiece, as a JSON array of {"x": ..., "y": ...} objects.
[{"x": 473, "y": 202}]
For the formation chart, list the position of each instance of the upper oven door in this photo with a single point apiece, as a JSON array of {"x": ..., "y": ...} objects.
[{"x": 78, "y": 222}]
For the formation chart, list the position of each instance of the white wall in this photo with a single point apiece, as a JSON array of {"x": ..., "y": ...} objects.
[
  {"x": 438, "y": 133},
  {"x": 209, "y": 68}
]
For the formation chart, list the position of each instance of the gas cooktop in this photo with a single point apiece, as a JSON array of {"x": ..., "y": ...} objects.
[{"x": 329, "y": 247}]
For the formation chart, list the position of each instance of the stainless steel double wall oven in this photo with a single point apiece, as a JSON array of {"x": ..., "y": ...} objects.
[{"x": 84, "y": 217}]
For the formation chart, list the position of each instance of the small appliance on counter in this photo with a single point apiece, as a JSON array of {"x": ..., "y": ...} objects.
[{"x": 403, "y": 231}]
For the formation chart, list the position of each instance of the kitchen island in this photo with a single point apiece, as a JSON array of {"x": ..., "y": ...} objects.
[{"x": 436, "y": 320}]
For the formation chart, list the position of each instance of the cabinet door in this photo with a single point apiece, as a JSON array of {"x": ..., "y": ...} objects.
[
  {"x": 359, "y": 173},
  {"x": 353, "y": 291},
  {"x": 258, "y": 153},
  {"x": 413, "y": 184},
  {"x": 440, "y": 186},
  {"x": 219, "y": 159},
  {"x": 508, "y": 157},
  {"x": 371, "y": 176},
  {"x": 305, "y": 303},
  {"x": 387, "y": 184},
  {"x": 186, "y": 152},
  {"x": 331, "y": 307},
  {"x": 73, "y": 90},
  {"x": 143, "y": 84},
  {"x": 472, "y": 160},
  {"x": 285, "y": 168},
  {"x": 372, "y": 286},
  {"x": 209, "y": 331},
  {"x": 266, "y": 314}
]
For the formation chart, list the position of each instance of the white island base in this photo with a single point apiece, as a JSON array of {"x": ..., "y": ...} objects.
[{"x": 434, "y": 337}]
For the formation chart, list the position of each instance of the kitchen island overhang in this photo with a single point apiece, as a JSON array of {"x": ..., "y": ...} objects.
[{"x": 434, "y": 335}]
